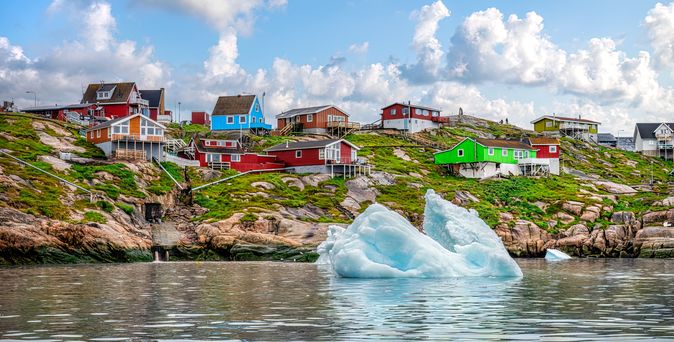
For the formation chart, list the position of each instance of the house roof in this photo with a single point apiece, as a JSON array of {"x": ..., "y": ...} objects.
[
  {"x": 412, "y": 105},
  {"x": 214, "y": 149},
  {"x": 562, "y": 118},
  {"x": 152, "y": 96},
  {"x": 122, "y": 119},
  {"x": 647, "y": 130},
  {"x": 306, "y": 110},
  {"x": 57, "y": 107},
  {"x": 121, "y": 93},
  {"x": 503, "y": 143},
  {"x": 304, "y": 145},
  {"x": 543, "y": 141},
  {"x": 237, "y": 104},
  {"x": 605, "y": 137}
]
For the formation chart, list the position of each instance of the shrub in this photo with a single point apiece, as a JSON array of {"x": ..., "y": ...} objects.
[
  {"x": 128, "y": 209},
  {"x": 92, "y": 216},
  {"x": 105, "y": 206}
]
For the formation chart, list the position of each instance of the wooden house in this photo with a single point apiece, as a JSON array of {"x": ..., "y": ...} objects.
[
  {"x": 131, "y": 137},
  {"x": 332, "y": 156},
  {"x": 239, "y": 113},
  {"x": 484, "y": 158},
  {"x": 654, "y": 139},
  {"x": 156, "y": 100},
  {"x": 115, "y": 100},
  {"x": 320, "y": 119},
  {"x": 411, "y": 118},
  {"x": 228, "y": 154},
  {"x": 547, "y": 148},
  {"x": 577, "y": 128}
]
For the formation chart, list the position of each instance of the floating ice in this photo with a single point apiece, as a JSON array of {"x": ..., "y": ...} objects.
[
  {"x": 382, "y": 244},
  {"x": 554, "y": 254}
]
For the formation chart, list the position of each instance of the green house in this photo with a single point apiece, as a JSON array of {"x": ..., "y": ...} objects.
[
  {"x": 573, "y": 127},
  {"x": 481, "y": 158}
]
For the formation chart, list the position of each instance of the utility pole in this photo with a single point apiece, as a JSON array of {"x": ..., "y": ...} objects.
[
  {"x": 34, "y": 96},
  {"x": 180, "y": 117}
]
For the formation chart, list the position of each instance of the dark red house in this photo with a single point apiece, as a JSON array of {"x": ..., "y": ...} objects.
[
  {"x": 201, "y": 118},
  {"x": 321, "y": 156},
  {"x": 115, "y": 100},
  {"x": 228, "y": 154},
  {"x": 549, "y": 149},
  {"x": 410, "y": 117},
  {"x": 79, "y": 113},
  {"x": 320, "y": 119},
  {"x": 155, "y": 99}
]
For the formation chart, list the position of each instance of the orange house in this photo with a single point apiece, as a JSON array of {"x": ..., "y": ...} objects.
[
  {"x": 319, "y": 119},
  {"x": 131, "y": 137}
]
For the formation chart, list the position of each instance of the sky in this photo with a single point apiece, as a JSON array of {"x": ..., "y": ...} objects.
[{"x": 611, "y": 61}]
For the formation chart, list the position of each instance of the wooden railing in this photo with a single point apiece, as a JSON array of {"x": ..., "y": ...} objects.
[
  {"x": 137, "y": 137},
  {"x": 129, "y": 154},
  {"x": 287, "y": 129},
  {"x": 342, "y": 124}
]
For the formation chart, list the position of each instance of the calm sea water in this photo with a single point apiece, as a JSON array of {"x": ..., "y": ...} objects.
[{"x": 561, "y": 301}]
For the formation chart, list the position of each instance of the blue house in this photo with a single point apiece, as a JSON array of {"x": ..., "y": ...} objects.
[{"x": 239, "y": 113}]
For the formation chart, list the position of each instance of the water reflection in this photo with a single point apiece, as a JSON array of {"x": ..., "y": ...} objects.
[{"x": 574, "y": 300}]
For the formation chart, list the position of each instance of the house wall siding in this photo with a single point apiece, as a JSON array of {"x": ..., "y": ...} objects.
[
  {"x": 309, "y": 157},
  {"x": 319, "y": 120},
  {"x": 219, "y": 122}
]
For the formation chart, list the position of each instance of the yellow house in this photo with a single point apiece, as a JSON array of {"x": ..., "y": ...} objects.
[{"x": 577, "y": 128}]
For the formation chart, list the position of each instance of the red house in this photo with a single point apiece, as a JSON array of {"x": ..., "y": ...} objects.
[
  {"x": 201, "y": 118},
  {"x": 115, "y": 100},
  {"x": 228, "y": 154},
  {"x": 547, "y": 148},
  {"x": 78, "y": 113},
  {"x": 155, "y": 99},
  {"x": 321, "y": 119},
  {"x": 411, "y": 118},
  {"x": 333, "y": 156}
]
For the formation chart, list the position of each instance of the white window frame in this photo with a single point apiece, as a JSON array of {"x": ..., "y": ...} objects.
[
  {"x": 321, "y": 154},
  {"x": 298, "y": 154},
  {"x": 257, "y": 107},
  {"x": 354, "y": 155},
  {"x": 242, "y": 119},
  {"x": 418, "y": 111},
  {"x": 504, "y": 152},
  {"x": 490, "y": 151},
  {"x": 253, "y": 120},
  {"x": 98, "y": 133},
  {"x": 459, "y": 153},
  {"x": 548, "y": 124},
  {"x": 552, "y": 149},
  {"x": 526, "y": 154},
  {"x": 230, "y": 120},
  {"x": 406, "y": 110},
  {"x": 310, "y": 118},
  {"x": 518, "y": 154},
  {"x": 393, "y": 111},
  {"x": 425, "y": 112},
  {"x": 329, "y": 118},
  {"x": 235, "y": 158}
]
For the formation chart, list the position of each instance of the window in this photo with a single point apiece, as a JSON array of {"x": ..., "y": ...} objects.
[
  {"x": 526, "y": 154},
  {"x": 519, "y": 154},
  {"x": 257, "y": 107},
  {"x": 310, "y": 118},
  {"x": 98, "y": 133},
  {"x": 242, "y": 119},
  {"x": 425, "y": 112},
  {"x": 504, "y": 152},
  {"x": 298, "y": 154},
  {"x": 329, "y": 118},
  {"x": 553, "y": 149},
  {"x": 393, "y": 111},
  {"x": 354, "y": 155},
  {"x": 490, "y": 151},
  {"x": 109, "y": 133},
  {"x": 236, "y": 157},
  {"x": 436, "y": 113},
  {"x": 459, "y": 153},
  {"x": 548, "y": 124},
  {"x": 230, "y": 119},
  {"x": 406, "y": 110},
  {"x": 211, "y": 157},
  {"x": 253, "y": 119},
  {"x": 418, "y": 111},
  {"x": 321, "y": 154}
]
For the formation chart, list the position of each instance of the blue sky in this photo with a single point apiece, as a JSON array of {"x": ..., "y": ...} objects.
[{"x": 588, "y": 57}]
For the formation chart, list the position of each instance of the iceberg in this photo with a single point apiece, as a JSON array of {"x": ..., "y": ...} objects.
[
  {"x": 555, "y": 254},
  {"x": 380, "y": 243}
]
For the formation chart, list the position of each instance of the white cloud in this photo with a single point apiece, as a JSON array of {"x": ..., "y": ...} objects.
[
  {"x": 359, "y": 48},
  {"x": 99, "y": 24},
  {"x": 659, "y": 24},
  {"x": 427, "y": 47}
]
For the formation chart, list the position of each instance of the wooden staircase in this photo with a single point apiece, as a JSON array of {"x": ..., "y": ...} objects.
[{"x": 287, "y": 129}]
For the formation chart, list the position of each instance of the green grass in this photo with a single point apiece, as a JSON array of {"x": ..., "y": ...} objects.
[
  {"x": 124, "y": 182},
  {"x": 92, "y": 216},
  {"x": 20, "y": 137},
  {"x": 128, "y": 209},
  {"x": 166, "y": 184},
  {"x": 105, "y": 206}
]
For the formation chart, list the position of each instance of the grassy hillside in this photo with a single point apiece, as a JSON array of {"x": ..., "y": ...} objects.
[{"x": 409, "y": 165}]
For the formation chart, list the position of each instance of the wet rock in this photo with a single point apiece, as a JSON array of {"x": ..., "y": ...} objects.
[
  {"x": 655, "y": 242},
  {"x": 573, "y": 207},
  {"x": 524, "y": 239}
]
